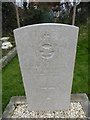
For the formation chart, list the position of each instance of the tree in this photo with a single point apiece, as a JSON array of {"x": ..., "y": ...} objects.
[
  {"x": 74, "y": 13},
  {"x": 17, "y": 15}
]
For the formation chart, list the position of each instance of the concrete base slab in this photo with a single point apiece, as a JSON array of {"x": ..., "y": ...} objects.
[{"x": 82, "y": 98}]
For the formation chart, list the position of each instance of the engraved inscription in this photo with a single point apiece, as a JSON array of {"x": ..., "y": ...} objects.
[
  {"x": 46, "y": 47},
  {"x": 46, "y": 51},
  {"x": 45, "y": 36},
  {"x": 48, "y": 98},
  {"x": 47, "y": 89}
]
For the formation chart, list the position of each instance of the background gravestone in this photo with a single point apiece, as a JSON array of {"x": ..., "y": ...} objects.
[{"x": 47, "y": 57}]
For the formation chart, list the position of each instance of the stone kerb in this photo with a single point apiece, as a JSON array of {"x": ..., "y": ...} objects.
[
  {"x": 7, "y": 58},
  {"x": 17, "y": 100}
]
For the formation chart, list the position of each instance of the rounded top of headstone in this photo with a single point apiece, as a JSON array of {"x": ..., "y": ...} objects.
[{"x": 47, "y": 24}]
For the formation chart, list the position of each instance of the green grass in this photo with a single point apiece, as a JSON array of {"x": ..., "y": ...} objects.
[
  {"x": 80, "y": 82},
  {"x": 12, "y": 84},
  {"x": 0, "y": 93}
]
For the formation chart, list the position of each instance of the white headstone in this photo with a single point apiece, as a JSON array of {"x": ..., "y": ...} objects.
[{"x": 47, "y": 56}]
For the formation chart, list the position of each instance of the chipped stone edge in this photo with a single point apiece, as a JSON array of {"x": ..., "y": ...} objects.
[{"x": 82, "y": 98}]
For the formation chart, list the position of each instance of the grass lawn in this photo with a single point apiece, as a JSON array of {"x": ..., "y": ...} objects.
[
  {"x": 80, "y": 82},
  {"x": 12, "y": 84}
]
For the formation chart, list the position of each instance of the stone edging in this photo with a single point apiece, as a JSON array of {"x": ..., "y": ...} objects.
[
  {"x": 82, "y": 98},
  {"x": 7, "y": 58}
]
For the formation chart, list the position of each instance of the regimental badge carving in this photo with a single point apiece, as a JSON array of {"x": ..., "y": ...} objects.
[
  {"x": 46, "y": 47},
  {"x": 45, "y": 36},
  {"x": 46, "y": 51}
]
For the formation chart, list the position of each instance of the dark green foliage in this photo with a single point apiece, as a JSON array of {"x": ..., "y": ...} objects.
[
  {"x": 82, "y": 13},
  {"x": 35, "y": 16},
  {"x": 89, "y": 9},
  {"x": 66, "y": 12},
  {"x": 30, "y": 15},
  {"x": 9, "y": 21}
]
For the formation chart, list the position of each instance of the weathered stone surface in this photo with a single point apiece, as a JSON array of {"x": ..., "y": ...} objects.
[{"x": 47, "y": 56}]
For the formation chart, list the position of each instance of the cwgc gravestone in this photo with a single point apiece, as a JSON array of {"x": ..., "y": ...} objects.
[{"x": 47, "y": 57}]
